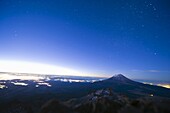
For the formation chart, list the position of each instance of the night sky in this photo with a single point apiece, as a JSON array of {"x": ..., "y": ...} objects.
[{"x": 102, "y": 37}]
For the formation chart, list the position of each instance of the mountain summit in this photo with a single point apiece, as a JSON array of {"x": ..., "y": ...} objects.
[{"x": 119, "y": 77}]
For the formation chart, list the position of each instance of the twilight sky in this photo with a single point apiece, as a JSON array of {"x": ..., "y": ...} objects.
[{"x": 95, "y": 37}]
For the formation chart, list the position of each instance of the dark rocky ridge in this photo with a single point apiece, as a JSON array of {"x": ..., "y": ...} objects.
[
  {"x": 75, "y": 97},
  {"x": 107, "y": 101}
]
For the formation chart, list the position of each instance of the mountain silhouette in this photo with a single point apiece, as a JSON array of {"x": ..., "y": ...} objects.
[
  {"x": 118, "y": 78},
  {"x": 111, "y": 94},
  {"x": 123, "y": 85}
]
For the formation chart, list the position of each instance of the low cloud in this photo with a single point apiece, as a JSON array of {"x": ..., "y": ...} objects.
[{"x": 151, "y": 71}]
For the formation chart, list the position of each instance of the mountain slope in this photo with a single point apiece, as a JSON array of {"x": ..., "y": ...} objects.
[
  {"x": 119, "y": 78},
  {"x": 123, "y": 85}
]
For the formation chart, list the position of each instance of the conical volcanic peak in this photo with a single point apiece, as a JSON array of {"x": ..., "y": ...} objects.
[{"x": 119, "y": 77}]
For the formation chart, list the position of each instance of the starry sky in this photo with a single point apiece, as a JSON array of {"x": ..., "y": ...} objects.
[{"x": 100, "y": 37}]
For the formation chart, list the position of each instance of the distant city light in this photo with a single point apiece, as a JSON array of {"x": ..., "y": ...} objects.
[
  {"x": 3, "y": 86},
  {"x": 164, "y": 85},
  {"x": 151, "y": 95}
]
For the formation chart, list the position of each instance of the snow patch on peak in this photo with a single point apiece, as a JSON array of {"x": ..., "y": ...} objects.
[{"x": 119, "y": 75}]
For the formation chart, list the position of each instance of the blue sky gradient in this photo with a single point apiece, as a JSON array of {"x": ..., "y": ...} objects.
[{"x": 101, "y": 37}]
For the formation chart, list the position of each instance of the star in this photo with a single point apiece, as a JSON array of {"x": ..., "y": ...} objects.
[
  {"x": 15, "y": 34},
  {"x": 154, "y": 8},
  {"x": 143, "y": 25}
]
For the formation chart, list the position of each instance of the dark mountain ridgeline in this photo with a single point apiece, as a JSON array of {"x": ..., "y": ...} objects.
[{"x": 73, "y": 94}]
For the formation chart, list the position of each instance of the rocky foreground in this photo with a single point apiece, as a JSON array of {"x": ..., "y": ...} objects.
[{"x": 106, "y": 101}]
